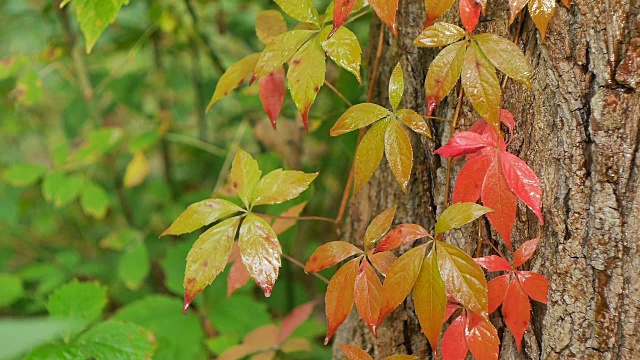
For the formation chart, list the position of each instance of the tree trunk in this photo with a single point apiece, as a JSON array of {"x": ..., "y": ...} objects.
[{"x": 578, "y": 129}]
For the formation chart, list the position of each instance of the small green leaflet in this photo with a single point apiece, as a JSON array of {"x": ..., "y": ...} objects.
[
  {"x": 94, "y": 200},
  {"x": 116, "y": 340},
  {"x": 94, "y": 16},
  {"x": 301, "y": 10},
  {"x": 24, "y": 174}
]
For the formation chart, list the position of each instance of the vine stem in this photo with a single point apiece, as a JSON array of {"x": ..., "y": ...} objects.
[
  {"x": 374, "y": 79},
  {"x": 436, "y": 118},
  {"x": 194, "y": 142},
  {"x": 337, "y": 92},
  {"x": 301, "y": 265},
  {"x": 301, "y": 218},
  {"x": 494, "y": 248},
  {"x": 452, "y": 129}
]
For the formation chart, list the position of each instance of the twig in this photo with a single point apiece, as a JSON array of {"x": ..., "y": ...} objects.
[
  {"x": 200, "y": 36},
  {"x": 436, "y": 118},
  {"x": 194, "y": 142},
  {"x": 224, "y": 170},
  {"x": 301, "y": 265},
  {"x": 494, "y": 248},
  {"x": 302, "y": 218},
  {"x": 357, "y": 16},
  {"x": 337, "y": 92},
  {"x": 452, "y": 129}
]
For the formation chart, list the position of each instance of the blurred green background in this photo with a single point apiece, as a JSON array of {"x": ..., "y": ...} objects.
[{"x": 102, "y": 151}]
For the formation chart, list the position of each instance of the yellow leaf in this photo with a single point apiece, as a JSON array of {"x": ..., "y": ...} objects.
[
  {"x": 137, "y": 170},
  {"x": 344, "y": 49},
  {"x": 379, "y": 226},
  {"x": 201, "y": 214},
  {"x": 235, "y": 75},
  {"x": 245, "y": 175},
  {"x": 430, "y": 299},
  {"x": 280, "y": 50},
  {"x": 435, "y": 9},
  {"x": 301, "y": 10},
  {"x": 396, "y": 86},
  {"x": 306, "y": 77},
  {"x": 397, "y": 147},
  {"x": 270, "y": 24},
  {"x": 506, "y": 56},
  {"x": 481, "y": 84},
  {"x": 260, "y": 251},
  {"x": 279, "y": 186},
  {"x": 541, "y": 12},
  {"x": 414, "y": 121},
  {"x": 281, "y": 225},
  {"x": 369, "y": 154},
  {"x": 359, "y": 116},
  {"x": 440, "y": 34}
]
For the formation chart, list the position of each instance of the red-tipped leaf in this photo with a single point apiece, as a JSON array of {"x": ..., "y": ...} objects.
[{"x": 402, "y": 234}]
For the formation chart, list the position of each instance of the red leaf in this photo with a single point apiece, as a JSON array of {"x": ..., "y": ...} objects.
[
  {"x": 535, "y": 285},
  {"x": 523, "y": 182},
  {"x": 238, "y": 274},
  {"x": 469, "y": 181},
  {"x": 402, "y": 234},
  {"x": 341, "y": 11},
  {"x": 339, "y": 296},
  {"x": 272, "y": 92},
  {"x": 470, "y": 14},
  {"x": 451, "y": 308},
  {"x": 454, "y": 345},
  {"x": 482, "y": 338},
  {"x": 506, "y": 117},
  {"x": 497, "y": 196},
  {"x": 330, "y": 254},
  {"x": 354, "y": 352},
  {"x": 525, "y": 252},
  {"x": 462, "y": 143},
  {"x": 516, "y": 311},
  {"x": 368, "y": 295},
  {"x": 296, "y": 317},
  {"x": 493, "y": 263},
  {"x": 497, "y": 289}
]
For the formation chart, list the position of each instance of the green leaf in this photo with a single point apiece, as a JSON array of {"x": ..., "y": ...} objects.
[
  {"x": 94, "y": 17},
  {"x": 144, "y": 141},
  {"x": 24, "y": 174},
  {"x": 301, "y": 10},
  {"x": 121, "y": 239},
  {"x": 344, "y": 49},
  {"x": 260, "y": 252},
  {"x": 208, "y": 257},
  {"x": 12, "y": 289},
  {"x": 29, "y": 88},
  {"x": 306, "y": 76},
  {"x": 280, "y": 50},
  {"x": 440, "y": 34},
  {"x": 458, "y": 215},
  {"x": 269, "y": 25},
  {"x": 95, "y": 146},
  {"x": 506, "y": 56},
  {"x": 116, "y": 340},
  {"x": 369, "y": 154},
  {"x": 379, "y": 226},
  {"x": 94, "y": 200},
  {"x": 444, "y": 73},
  {"x": 279, "y": 186},
  {"x": 359, "y": 116},
  {"x": 235, "y": 75},
  {"x": 178, "y": 336},
  {"x": 174, "y": 265},
  {"x": 481, "y": 85},
  {"x": 463, "y": 278},
  {"x": 414, "y": 121},
  {"x": 397, "y": 148},
  {"x": 17, "y": 336},
  {"x": 430, "y": 299},
  {"x": 79, "y": 301},
  {"x": 61, "y": 189},
  {"x": 134, "y": 266},
  {"x": 9, "y": 66},
  {"x": 202, "y": 214},
  {"x": 245, "y": 175},
  {"x": 242, "y": 314},
  {"x": 396, "y": 86}
]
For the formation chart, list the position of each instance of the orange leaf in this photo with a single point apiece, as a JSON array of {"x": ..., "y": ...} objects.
[
  {"x": 296, "y": 317},
  {"x": 368, "y": 295},
  {"x": 369, "y": 154},
  {"x": 399, "y": 153},
  {"x": 281, "y": 225},
  {"x": 400, "y": 279},
  {"x": 402, "y": 234},
  {"x": 497, "y": 195},
  {"x": 435, "y": 9},
  {"x": 430, "y": 299},
  {"x": 382, "y": 261},
  {"x": 260, "y": 252},
  {"x": 515, "y": 6},
  {"x": 330, "y": 254},
  {"x": 354, "y": 352},
  {"x": 414, "y": 121},
  {"x": 497, "y": 289},
  {"x": 386, "y": 11},
  {"x": 482, "y": 338},
  {"x": 535, "y": 285},
  {"x": 379, "y": 226},
  {"x": 454, "y": 345},
  {"x": 470, "y": 14},
  {"x": 262, "y": 338},
  {"x": 541, "y": 12},
  {"x": 516, "y": 311},
  {"x": 339, "y": 296},
  {"x": 238, "y": 274}
]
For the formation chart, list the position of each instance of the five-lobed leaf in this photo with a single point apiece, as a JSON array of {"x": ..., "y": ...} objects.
[
  {"x": 208, "y": 257},
  {"x": 235, "y": 75},
  {"x": 344, "y": 49},
  {"x": 359, "y": 116},
  {"x": 301, "y": 10},
  {"x": 369, "y": 153},
  {"x": 481, "y": 84},
  {"x": 443, "y": 73},
  {"x": 279, "y": 51},
  {"x": 329, "y": 254},
  {"x": 201, "y": 214},
  {"x": 306, "y": 76},
  {"x": 399, "y": 153},
  {"x": 379, "y": 226},
  {"x": 458, "y": 215},
  {"x": 506, "y": 56},
  {"x": 430, "y": 299},
  {"x": 339, "y": 297},
  {"x": 260, "y": 251},
  {"x": 396, "y": 86},
  {"x": 368, "y": 295},
  {"x": 281, "y": 185},
  {"x": 440, "y": 34},
  {"x": 269, "y": 25}
]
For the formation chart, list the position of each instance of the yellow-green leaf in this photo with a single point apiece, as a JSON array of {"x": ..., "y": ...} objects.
[
  {"x": 458, "y": 215},
  {"x": 414, "y": 121},
  {"x": 235, "y": 75},
  {"x": 379, "y": 226},
  {"x": 95, "y": 16},
  {"x": 301, "y": 10},
  {"x": 396, "y": 86},
  {"x": 430, "y": 299},
  {"x": 359, "y": 116},
  {"x": 260, "y": 251},
  {"x": 134, "y": 266},
  {"x": 280, "y": 50},
  {"x": 208, "y": 257},
  {"x": 369, "y": 154},
  {"x": 440, "y": 34},
  {"x": 201, "y": 214},
  {"x": 270, "y": 24},
  {"x": 245, "y": 175},
  {"x": 279, "y": 186},
  {"x": 463, "y": 278},
  {"x": 94, "y": 200},
  {"x": 24, "y": 174},
  {"x": 62, "y": 189},
  {"x": 435, "y": 9},
  {"x": 481, "y": 84},
  {"x": 397, "y": 148},
  {"x": 444, "y": 73},
  {"x": 506, "y": 56},
  {"x": 306, "y": 77},
  {"x": 344, "y": 49},
  {"x": 541, "y": 12},
  {"x": 137, "y": 170}
]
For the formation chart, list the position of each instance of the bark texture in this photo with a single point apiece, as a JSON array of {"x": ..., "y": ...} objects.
[{"x": 579, "y": 130}]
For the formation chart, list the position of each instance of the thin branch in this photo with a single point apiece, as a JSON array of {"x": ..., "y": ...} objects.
[
  {"x": 301, "y": 218},
  {"x": 357, "y": 16},
  {"x": 452, "y": 129},
  {"x": 495, "y": 248},
  {"x": 301, "y": 265},
  {"x": 226, "y": 165},
  {"x": 200, "y": 36},
  {"x": 337, "y": 92},
  {"x": 436, "y": 118},
  {"x": 195, "y": 142}
]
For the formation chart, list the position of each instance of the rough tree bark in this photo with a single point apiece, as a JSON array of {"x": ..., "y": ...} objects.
[{"x": 579, "y": 129}]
